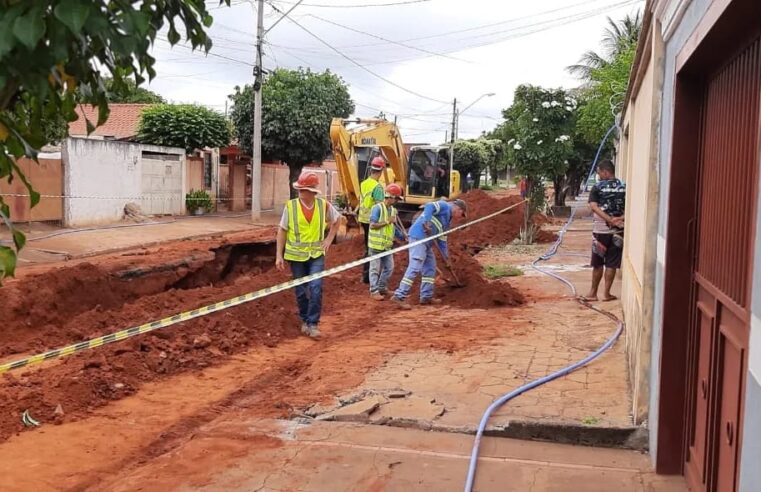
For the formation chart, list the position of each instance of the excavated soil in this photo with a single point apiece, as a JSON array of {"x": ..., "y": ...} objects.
[{"x": 74, "y": 303}]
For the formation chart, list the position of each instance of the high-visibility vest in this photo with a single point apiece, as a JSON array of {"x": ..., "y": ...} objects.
[
  {"x": 366, "y": 201},
  {"x": 305, "y": 238},
  {"x": 382, "y": 238}
]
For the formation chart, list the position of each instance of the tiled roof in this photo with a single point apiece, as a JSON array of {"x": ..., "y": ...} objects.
[{"x": 122, "y": 123}]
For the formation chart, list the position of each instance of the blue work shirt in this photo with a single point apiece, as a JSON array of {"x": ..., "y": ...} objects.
[
  {"x": 438, "y": 215},
  {"x": 375, "y": 214}
]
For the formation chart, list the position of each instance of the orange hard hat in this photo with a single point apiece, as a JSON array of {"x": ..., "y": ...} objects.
[
  {"x": 308, "y": 181},
  {"x": 393, "y": 190},
  {"x": 378, "y": 164}
]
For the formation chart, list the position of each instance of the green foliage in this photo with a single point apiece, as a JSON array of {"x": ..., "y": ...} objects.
[
  {"x": 298, "y": 106},
  {"x": 186, "y": 126},
  {"x": 475, "y": 156},
  {"x": 499, "y": 271},
  {"x": 541, "y": 122},
  {"x": 470, "y": 156},
  {"x": 130, "y": 93},
  {"x": 55, "y": 54},
  {"x": 603, "y": 99},
  {"x": 196, "y": 199}
]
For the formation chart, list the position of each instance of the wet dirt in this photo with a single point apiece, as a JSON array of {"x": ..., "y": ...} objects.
[{"x": 87, "y": 299}]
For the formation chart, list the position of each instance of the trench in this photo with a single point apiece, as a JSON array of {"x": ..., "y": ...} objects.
[{"x": 41, "y": 305}]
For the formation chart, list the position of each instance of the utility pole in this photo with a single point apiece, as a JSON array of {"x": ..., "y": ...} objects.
[
  {"x": 256, "y": 164},
  {"x": 453, "y": 137}
]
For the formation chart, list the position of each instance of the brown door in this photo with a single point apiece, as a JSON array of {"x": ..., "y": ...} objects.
[{"x": 728, "y": 170}]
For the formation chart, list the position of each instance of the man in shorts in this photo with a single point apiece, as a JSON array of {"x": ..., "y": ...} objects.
[{"x": 607, "y": 201}]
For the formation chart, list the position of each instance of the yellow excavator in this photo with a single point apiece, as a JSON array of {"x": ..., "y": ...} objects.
[{"x": 425, "y": 175}]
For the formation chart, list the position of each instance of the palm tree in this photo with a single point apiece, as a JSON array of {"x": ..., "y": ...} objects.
[{"x": 617, "y": 38}]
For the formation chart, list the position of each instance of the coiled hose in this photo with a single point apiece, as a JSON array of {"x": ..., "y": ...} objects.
[{"x": 560, "y": 373}]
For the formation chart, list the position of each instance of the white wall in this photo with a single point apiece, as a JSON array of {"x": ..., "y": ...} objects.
[{"x": 102, "y": 176}]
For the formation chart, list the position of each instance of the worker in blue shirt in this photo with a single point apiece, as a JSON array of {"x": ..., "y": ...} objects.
[{"x": 436, "y": 218}]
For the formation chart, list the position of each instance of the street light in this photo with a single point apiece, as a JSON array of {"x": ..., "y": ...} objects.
[{"x": 457, "y": 117}]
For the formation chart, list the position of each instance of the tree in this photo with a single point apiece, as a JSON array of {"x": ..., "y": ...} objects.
[
  {"x": 55, "y": 54},
  {"x": 603, "y": 99},
  {"x": 186, "y": 126},
  {"x": 131, "y": 93},
  {"x": 471, "y": 156},
  {"x": 617, "y": 38},
  {"x": 297, "y": 108},
  {"x": 542, "y": 122}
]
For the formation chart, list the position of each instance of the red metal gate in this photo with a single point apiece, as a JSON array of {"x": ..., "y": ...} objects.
[{"x": 728, "y": 173}]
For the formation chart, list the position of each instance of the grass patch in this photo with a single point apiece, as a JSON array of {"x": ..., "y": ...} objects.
[
  {"x": 590, "y": 421},
  {"x": 486, "y": 187},
  {"x": 500, "y": 271}
]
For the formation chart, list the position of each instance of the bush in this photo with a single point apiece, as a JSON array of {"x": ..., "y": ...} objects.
[
  {"x": 499, "y": 271},
  {"x": 196, "y": 199},
  {"x": 184, "y": 125},
  {"x": 486, "y": 187}
]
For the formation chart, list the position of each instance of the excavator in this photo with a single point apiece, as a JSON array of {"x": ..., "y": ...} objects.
[{"x": 425, "y": 175}]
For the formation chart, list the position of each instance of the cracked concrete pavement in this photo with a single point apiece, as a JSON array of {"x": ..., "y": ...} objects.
[
  {"x": 277, "y": 455},
  {"x": 548, "y": 333}
]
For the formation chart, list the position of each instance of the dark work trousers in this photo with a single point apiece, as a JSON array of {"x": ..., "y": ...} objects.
[{"x": 366, "y": 266}]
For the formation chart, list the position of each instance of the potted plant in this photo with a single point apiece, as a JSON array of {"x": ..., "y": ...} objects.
[{"x": 198, "y": 202}]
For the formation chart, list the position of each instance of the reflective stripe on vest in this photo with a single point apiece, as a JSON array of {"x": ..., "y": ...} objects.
[
  {"x": 438, "y": 228},
  {"x": 305, "y": 239},
  {"x": 366, "y": 201},
  {"x": 382, "y": 239}
]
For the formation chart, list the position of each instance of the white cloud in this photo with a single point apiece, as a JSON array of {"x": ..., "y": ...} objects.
[{"x": 539, "y": 58}]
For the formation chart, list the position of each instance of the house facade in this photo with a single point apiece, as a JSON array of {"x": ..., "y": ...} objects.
[{"x": 690, "y": 152}]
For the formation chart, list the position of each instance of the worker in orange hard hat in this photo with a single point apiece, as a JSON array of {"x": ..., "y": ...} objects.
[
  {"x": 371, "y": 192},
  {"x": 384, "y": 228},
  {"x": 303, "y": 243}
]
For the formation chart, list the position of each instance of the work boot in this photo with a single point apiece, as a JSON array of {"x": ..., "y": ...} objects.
[
  {"x": 314, "y": 332},
  {"x": 377, "y": 296},
  {"x": 430, "y": 301},
  {"x": 400, "y": 303},
  {"x": 383, "y": 291},
  {"x": 304, "y": 329}
]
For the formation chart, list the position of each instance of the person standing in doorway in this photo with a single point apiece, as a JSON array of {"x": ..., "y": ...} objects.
[
  {"x": 303, "y": 243},
  {"x": 371, "y": 192},
  {"x": 607, "y": 201}
]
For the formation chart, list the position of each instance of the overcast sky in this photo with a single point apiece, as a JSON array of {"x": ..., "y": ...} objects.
[{"x": 438, "y": 50}]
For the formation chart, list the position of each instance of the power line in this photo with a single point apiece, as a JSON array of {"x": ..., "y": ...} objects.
[
  {"x": 207, "y": 54},
  {"x": 357, "y": 6},
  {"x": 371, "y": 72},
  {"x": 399, "y": 43}
]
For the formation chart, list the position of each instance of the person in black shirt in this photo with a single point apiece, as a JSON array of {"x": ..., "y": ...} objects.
[{"x": 607, "y": 201}]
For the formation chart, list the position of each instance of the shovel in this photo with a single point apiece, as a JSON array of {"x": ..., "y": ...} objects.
[{"x": 457, "y": 282}]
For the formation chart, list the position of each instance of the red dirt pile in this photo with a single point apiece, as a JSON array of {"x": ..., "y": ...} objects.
[{"x": 75, "y": 303}]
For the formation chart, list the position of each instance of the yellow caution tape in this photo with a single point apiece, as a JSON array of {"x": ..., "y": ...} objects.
[{"x": 222, "y": 305}]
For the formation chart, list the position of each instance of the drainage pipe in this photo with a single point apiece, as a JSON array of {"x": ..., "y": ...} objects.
[{"x": 560, "y": 373}]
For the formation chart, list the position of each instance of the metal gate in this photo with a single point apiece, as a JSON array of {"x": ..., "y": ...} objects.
[{"x": 726, "y": 204}]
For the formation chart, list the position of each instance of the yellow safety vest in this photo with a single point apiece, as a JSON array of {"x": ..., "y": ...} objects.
[
  {"x": 382, "y": 239},
  {"x": 366, "y": 201},
  {"x": 305, "y": 239}
]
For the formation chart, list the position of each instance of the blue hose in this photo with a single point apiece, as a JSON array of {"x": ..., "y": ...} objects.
[
  {"x": 538, "y": 382},
  {"x": 597, "y": 156}
]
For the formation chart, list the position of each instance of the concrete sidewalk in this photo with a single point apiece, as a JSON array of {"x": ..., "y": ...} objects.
[
  {"x": 276, "y": 455},
  {"x": 47, "y": 243}
]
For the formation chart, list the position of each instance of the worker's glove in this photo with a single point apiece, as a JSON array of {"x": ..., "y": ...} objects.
[{"x": 427, "y": 227}]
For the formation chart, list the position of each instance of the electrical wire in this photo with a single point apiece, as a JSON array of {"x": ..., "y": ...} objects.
[
  {"x": 371, "y": 72},
  {"x": 398, "y": 43},
  {"x": 361, "y": 5}
]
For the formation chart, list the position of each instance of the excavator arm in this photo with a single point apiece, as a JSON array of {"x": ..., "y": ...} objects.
[{"x": 370, "y": 133}]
